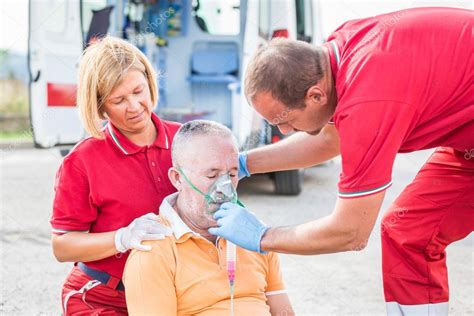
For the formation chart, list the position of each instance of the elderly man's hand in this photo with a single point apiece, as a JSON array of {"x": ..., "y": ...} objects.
[{"x": 239, "y": 226}]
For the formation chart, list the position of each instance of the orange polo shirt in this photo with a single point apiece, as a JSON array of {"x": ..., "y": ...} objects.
[{"x": 186, "y": 274}]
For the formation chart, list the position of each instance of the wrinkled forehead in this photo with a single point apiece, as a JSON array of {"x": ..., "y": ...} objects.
[{"x": 210, "y": 153}]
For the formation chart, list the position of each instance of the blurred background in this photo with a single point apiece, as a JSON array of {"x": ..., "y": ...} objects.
[
  {"x": 201, "y": 49},
  {"x": 14, "y": 73},
  {"x": 315, "y": 19}
]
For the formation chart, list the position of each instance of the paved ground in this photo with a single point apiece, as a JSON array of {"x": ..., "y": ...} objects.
[{"x": 338, "y": 284}]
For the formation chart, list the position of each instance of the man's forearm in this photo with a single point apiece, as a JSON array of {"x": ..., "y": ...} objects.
[
  {"x": 316, "y": 237},
  {"x": 347, "y": 228},
  {"x": 300, "y": 150}
]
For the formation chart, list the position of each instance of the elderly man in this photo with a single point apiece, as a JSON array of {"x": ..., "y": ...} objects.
[
  {"x": 388, "y": 84},
  {"x": 187, "y": 273}
]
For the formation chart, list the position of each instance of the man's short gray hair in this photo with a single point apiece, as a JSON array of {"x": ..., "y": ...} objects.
[{"x": 193, "y": 129}]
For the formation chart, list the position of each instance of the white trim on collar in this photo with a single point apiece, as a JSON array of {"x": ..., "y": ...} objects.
[
  {"x": 115, "y": 139},
  {"x": 178, "y": 227},
  {"x": 336, "y": 52}
]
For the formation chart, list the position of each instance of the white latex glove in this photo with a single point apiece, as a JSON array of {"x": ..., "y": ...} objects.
[{"x": 145, "y": 227}]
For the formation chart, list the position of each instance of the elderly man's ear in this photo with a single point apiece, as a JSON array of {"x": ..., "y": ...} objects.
[{"x": 175, "y": 178}]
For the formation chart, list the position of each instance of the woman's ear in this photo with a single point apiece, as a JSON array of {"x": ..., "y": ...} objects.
[{"x": 175, "y": 178}]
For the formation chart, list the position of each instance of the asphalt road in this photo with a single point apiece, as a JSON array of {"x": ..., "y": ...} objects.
[{"x": 337, "y": 284}]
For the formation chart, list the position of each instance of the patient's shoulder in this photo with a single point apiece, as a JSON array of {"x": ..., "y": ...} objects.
[
  {"x": 267, "y": 256},
  {"x": 272, "y": 259},
  {"x": 162, "y": 253},
  {"x": 145, "y": 272},
  {"x": 163, "y": 247}
]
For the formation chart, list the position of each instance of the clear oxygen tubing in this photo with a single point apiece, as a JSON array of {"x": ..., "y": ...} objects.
[{"x": 231, "y": 258}]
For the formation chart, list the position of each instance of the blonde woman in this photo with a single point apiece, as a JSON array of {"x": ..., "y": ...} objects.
[{"x": 109, "y": 187}]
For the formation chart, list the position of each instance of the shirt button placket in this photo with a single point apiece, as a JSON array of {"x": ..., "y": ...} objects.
[{"x": 154, "y": 171}]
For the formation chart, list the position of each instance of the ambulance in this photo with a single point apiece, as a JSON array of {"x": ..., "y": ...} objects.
[{"x": 199, "y": 47}]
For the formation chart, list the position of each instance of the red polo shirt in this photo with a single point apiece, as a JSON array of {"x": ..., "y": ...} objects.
[
  {"x": 404, "y": 82},
  {"x": 103, "y": 185}
]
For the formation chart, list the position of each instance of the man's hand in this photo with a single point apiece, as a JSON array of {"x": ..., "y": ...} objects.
[{"x": 239, "y": 226}]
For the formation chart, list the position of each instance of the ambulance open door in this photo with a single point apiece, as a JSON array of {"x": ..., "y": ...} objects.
[{"x": 54, "y": 48}]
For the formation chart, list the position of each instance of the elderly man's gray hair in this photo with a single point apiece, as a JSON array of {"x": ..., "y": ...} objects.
[{"x": 197, "y": 128}]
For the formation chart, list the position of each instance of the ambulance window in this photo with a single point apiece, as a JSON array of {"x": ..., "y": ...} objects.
[
  {"x": 304, "y": 20},
  {"x": 86, "y": 13},
  {"x": 217, "y": 17},
  {"x": 264, "y": 19}
]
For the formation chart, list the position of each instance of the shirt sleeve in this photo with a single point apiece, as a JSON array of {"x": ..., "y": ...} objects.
[
  {"x": 73, "y": 209},
  {"x": 149, "y": 280},
  {"x": 275, "y": 283},
  {"x": 371, "y": 134}
]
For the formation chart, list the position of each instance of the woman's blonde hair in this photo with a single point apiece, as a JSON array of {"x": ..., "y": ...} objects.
[{"x": 102, "y": 67}]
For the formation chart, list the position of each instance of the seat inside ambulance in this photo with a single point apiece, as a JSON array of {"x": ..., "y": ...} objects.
[{"x": 214, "y": 65}]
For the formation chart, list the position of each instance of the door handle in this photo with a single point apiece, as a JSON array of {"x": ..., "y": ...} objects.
[{"x": 38, "y": 75}]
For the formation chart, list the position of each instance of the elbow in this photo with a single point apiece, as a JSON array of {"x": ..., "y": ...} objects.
[
  {"x": 58, "y": 257},
  {"x": 359, "y": 245},
  {"x": 58, "y": 254},
  {"x": 56, "y": 243},
  {"x": 356, "y": 240}
]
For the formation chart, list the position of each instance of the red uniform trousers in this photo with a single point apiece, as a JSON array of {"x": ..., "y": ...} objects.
[
  {"x": 436, "y": 209},
  {"x": 81, "y": 295}
]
